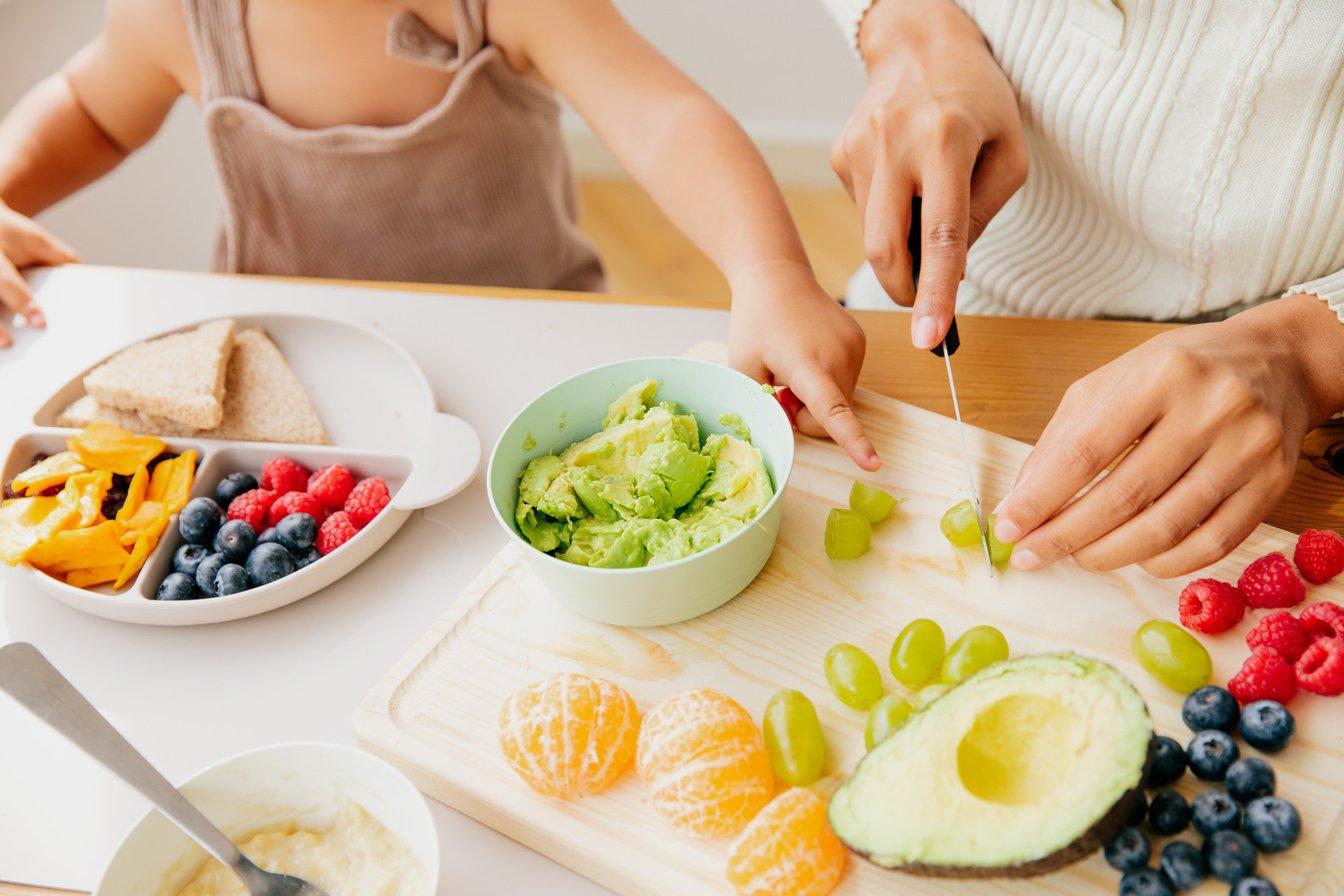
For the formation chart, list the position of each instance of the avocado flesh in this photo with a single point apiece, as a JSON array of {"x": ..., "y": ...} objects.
[{"x": 1019, "y": 770}]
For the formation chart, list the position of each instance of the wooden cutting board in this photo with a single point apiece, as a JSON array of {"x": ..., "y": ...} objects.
[{"x": 435, "y": 713}]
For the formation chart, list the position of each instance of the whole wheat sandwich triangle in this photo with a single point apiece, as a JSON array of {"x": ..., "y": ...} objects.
[{"x": 178, "y": 378}]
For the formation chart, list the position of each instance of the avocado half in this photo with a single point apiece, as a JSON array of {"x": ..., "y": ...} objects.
[{"x": 1025, "y": 767}]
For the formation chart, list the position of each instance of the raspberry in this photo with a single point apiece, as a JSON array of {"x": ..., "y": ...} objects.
[
  {"x": 1264, "y": 676},
  {"x": 1321, "y": 668},
  {"x": 252, "y": 506},
  {"x": 1319, "y": 555},
  {"x": 1271, "y": 582},
  {"x": 1211, "y": 606},
  {"x": 335, "y": 531},
  {"x": 1280, "y": 632},
  {"x": 282, "y": 476},
  {"x": 1322, "y": 620},
  {"x": 297, "y": 502},
  {"x": 366, "y": 500},
  {"x": 331, "y": 485}
]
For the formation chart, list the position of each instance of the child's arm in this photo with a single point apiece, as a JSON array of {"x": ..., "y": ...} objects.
[
  {"x": 73, "y": 128},
  {"x": 704, "y": 172}
]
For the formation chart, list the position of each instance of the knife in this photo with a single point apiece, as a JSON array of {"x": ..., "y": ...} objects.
[{"x": 946, "y": 349}]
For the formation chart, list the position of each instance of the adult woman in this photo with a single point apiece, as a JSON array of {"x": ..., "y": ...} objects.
[{"x": 1185, "y": 164}]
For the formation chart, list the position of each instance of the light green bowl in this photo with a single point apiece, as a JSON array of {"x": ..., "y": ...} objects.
[{"x": 668, "y": 592}]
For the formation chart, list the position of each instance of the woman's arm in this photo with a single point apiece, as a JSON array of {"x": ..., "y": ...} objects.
[{"x": 706, "y": 174}]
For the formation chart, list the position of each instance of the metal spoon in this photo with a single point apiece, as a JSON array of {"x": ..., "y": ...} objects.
[{"x": 27, "y": 676}]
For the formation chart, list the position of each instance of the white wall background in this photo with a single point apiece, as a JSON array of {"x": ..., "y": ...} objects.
[{"x": 779, "y": 66}]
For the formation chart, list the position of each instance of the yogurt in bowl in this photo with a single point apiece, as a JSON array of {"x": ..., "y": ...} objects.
[{"x": 342, "y": 818}]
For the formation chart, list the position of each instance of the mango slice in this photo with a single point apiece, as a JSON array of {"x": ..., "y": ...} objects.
[
  {"x": 143, "y": 545},
  {"x": 88, "y": 578},
  {"x": 171, "y": 482},
  {"x": 90, "y": 548},
  {"x": 104, "y": 446},
  {"x": 89, "y": 489},
  {"x": 147, "y": 517},
  {"x": 135, "y": 494},
  {"x": 44, "y": 474},
  {"x": 19, "y": 520}
]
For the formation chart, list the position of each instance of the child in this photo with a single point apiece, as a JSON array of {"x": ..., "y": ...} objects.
[{"x": 419, "y": 140}]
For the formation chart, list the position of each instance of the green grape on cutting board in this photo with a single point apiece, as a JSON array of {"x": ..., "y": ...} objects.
[
  {"x": 853, "y": 676},
  {"x": 793, "y": 738}
]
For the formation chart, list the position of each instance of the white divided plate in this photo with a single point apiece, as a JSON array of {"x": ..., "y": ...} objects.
[{"x": 380, "y": 412}]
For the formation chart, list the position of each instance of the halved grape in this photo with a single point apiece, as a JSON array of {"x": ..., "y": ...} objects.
[
  {"x": 1000, "y": 552},
  {"x": 978, "y": 647},
  {"x": 853, "y": 676},
  {"x": 848, "y": 535},
  {"x": 959, "y": 525},
  {"x": 793, "y": 738},
  {"x": 885, "y": 716},
  {"x": 871, "y": 502},
  {"x": 1172, "y": 655},
  {"x": 917, "y": 652}
]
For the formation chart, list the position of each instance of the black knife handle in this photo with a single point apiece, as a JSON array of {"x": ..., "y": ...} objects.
[{"x": 952, "y": 341}]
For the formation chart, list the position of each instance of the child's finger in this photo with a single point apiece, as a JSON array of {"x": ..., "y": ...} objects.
[
  {"x": 827, "y": 412},
  {"x": 16, "y": 296},
  {"x": 39, "y": 246}
]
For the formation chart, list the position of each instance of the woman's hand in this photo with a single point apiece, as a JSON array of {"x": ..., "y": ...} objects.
[
  {"x": 940, "y": 121},
  {"x": 786, "y": 331},
  {"x": 1212, "y": 418},
  {"x": 24, "y": 243}
]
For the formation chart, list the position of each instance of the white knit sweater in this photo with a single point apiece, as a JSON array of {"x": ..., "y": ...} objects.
[{"x": 1186, "y": 156}]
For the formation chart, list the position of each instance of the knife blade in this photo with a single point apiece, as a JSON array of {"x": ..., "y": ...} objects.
[{"x": 946, "y": 349}]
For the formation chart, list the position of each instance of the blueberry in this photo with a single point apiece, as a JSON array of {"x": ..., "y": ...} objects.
[
  {"x": 189, "y": 556},
  {"x": 1267, "y": 725},
  {"x": 1214, "y": 811},
  {"x": 1249, "y": 778},
  {"x": 206, "y": 571},
  {"x": 1254, "y": 886},
  {"x": 268, "y": 563},
  {"x": 1129, "y": 850},
  {"x": 1272, "y": 824},
  {"x": 199, "y": 521},
  {"x": 1168, "y": 763},
  {"x": 306, "y": 557},
  {"x": 177, "y": 586},
  {"x": 1145, "y": 882},
  {"x": 233, "y": 485},
  {"x": 1168, "y": 813},
  {"x": 231, "y": 579},
  {"x": 268, "y": 536},
  {"x": 297, "y": 531},
  {"x": 1183, "y": 865},
  {"x": 1230, "y": 856},
  {"x": 1211, "y": 753},
  {"x": 235, "y": 540},
  {"x": 1211, "y": 707}
]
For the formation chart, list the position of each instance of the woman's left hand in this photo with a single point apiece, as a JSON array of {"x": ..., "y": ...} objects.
[
  {"x": 1201, "y": 429},
  {"x": 786, "y": 331}
]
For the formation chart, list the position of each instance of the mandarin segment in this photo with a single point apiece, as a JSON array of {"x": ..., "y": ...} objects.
[
  {"x": 570, "y": 735},
  {"x": 788, "y": 849},
  {"x": 704, "y": 762}
]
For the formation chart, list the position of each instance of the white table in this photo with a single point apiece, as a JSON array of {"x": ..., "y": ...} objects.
[{"x": 188, "y": 697}]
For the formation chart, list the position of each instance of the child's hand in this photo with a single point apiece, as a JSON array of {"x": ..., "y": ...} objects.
[
  {"x": 24, "y": 243},
  {"x": 785, "y": 330}
]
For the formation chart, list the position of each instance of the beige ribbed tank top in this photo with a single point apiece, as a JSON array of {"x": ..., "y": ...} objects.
[{"x": 477, "y": 190}]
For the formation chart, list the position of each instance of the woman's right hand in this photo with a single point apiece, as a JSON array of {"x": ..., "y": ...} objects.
[
  {"x": 939, "y": 120},
  {"x": 22, "y": 243}
]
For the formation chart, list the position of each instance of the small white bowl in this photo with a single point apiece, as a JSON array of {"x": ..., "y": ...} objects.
[
  {"x": 669, "y": 592},
  {"x": 305, "y": 782}
]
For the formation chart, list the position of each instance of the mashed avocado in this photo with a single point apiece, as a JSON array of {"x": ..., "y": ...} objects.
[{"x": 644, "y": 490}]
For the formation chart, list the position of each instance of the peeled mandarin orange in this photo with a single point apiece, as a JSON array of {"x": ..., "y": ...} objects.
[
  {"x": 570, "y": 735},
  {"x": 788, "y": 849},
  {"x": 704, "y": 762}
]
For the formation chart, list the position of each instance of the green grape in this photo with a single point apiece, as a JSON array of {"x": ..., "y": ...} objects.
[
  {"x": 977, "y": 648},
  {"x": 793, "y": 739},
  {"x": 959, "y": 525},
  {"x": 931, "y": 693},
  {"x": 885, "y": 716},
  {"x": 847, "y": 535},
  {"x": 871, "y": 503},
  {"x": 917, "y": 653},
  {"x": 999, "y": 551},
  {"x": 1172, "y": 655},
  {"x": 853, "y": 676}
]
